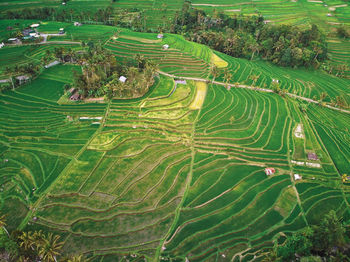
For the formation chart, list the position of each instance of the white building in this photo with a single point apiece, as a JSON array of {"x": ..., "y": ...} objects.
[
  {"x": 297, "y": 177},
  {"x": 160, "y": 36},
  {"x": 122, "y": 79},
  {"x": 35, "y": 25},
  {"x": 2, "y": 45},
  {"x": 165, "y": 47}
]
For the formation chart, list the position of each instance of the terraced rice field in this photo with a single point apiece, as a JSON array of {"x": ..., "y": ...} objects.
[
  {"x": 159, "y": 177},
  {"x": 178, "y": 173},
  {"x": 176, "y": 59}
]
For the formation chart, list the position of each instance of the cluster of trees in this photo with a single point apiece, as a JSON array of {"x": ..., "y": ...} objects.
[
  {"x": 248, "y": 37},
  {"x": 328, "y": 241},
  {"x": 31, "y": 246},
  {"x": 337, "y": 69},
  {"x": 31, "y": 70},
  {"x": 102, "y": 15},
  {"x": 139, "y": 79},
  {"x": 100, "y": 72},
  {"x": 343, "y": 31}
]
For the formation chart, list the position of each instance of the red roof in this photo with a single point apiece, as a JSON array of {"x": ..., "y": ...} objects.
[{"x": 270, "y": 171}]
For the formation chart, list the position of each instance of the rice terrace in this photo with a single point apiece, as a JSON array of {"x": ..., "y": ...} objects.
[{"x": 154, "y": 130}]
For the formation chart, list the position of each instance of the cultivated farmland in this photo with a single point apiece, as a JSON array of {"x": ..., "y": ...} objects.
[{"x": 178, "y": 173}]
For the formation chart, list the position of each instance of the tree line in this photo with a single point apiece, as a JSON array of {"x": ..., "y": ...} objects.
[{"x": 251, "y": 36}]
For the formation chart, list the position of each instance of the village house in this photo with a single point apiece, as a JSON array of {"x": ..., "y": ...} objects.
[
  {"x": 61, "y": 31},
  {"x": 165, "y": 47},
  {"x": 160, "y": 36},
  {"x": 23, "y": 79},
  {"x": 77, "y": 24},
  {"x": 2, "y": 45},
  {"x": 14, "y": 40}
]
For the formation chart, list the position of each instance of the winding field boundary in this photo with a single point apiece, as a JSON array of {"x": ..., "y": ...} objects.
[{"x": 309, "y": 100}]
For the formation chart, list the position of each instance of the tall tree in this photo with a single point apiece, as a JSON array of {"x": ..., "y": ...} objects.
[{"x": 50, "y": 248}]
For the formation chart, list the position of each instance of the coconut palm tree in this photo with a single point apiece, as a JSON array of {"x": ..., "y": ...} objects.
[
  {"x": 50, "y": 247},
  {"x": 227, "y": 76},
  {"x": 27, "y": 241},
  {"x": 3, "y": 224},
  {"x": 214, "y": 72}
]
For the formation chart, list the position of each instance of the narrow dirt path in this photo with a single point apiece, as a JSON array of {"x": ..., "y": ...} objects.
[{"x": 309, "y": 100}]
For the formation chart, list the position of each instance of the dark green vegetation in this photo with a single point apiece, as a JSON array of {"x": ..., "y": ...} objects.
[
  {"x": 241, "y": 36},
  {"x": 179, "y": 172},
  {"x": 328, "y": 241}
]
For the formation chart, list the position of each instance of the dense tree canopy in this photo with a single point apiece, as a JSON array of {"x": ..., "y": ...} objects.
[{"x": 249, "y": 37}]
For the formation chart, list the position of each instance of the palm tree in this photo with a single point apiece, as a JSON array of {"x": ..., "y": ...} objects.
[
  {"x": 3, "y": 224},
  {"x": 27, "y": 241},
  {"x": 214, "y": 72},
  {"x": 50, "y": 247},
  {"x": 254, "y": 78},
  {"x": 227, "y": 76}
]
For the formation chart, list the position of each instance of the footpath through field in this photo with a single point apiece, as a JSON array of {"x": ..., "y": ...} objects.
[{"x": 309, "y": 100}]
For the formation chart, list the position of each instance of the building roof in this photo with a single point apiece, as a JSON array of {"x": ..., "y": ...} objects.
[
  {"x": 165, "y": 46},
  {"x": 122, "y": 79},
  {"x": 312, "y": 156},
  {"x": 61, "y": 29},
  {"x": 23, "y": 77},
  {"x": 270, "y": 171},
  {"x": 52, "y": 64},
  {"x": 13, "y": 39},
  {"x": 160, "y": 36},
  {"x": 183, "y": 82},
  {"x": 297, "y": 177},
  {"x": 75, "y": 97},
  {"x": 34, "y": 25}
]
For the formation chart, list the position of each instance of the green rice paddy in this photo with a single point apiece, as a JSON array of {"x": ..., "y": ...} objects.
[{"x": 151, "y": 177}]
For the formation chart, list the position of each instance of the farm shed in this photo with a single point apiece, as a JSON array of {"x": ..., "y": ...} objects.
[
  {"x": 297, "y": 177},
  {"x": 165, "y": 47},
  {"x": 35, "y": 25},
  {"x": 269, "y": 171},
  {"x": 2, "y": 45},
  {"x": 77, "y": 24},
  {"x": 52, "y": 64},
  {"x": 122, "y": 79},
  {"x": 160, "y": 36},
  {"x": 312, "y": 156},
  {"x": 22, "y": 78},
  {"x": 75, "y": 97}
]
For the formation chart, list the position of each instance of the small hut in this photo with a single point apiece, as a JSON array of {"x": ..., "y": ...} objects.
[
  {"x": 269, "y": 171},
  {"x": 165, "y": 47},
  {"x": 75, "y": 97},
  {"x": 122, "y": 79},
  {"x": 297, "y": 177},
  {"x": 312, "y": 156},
  {"x": 160, "y": 36}
]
